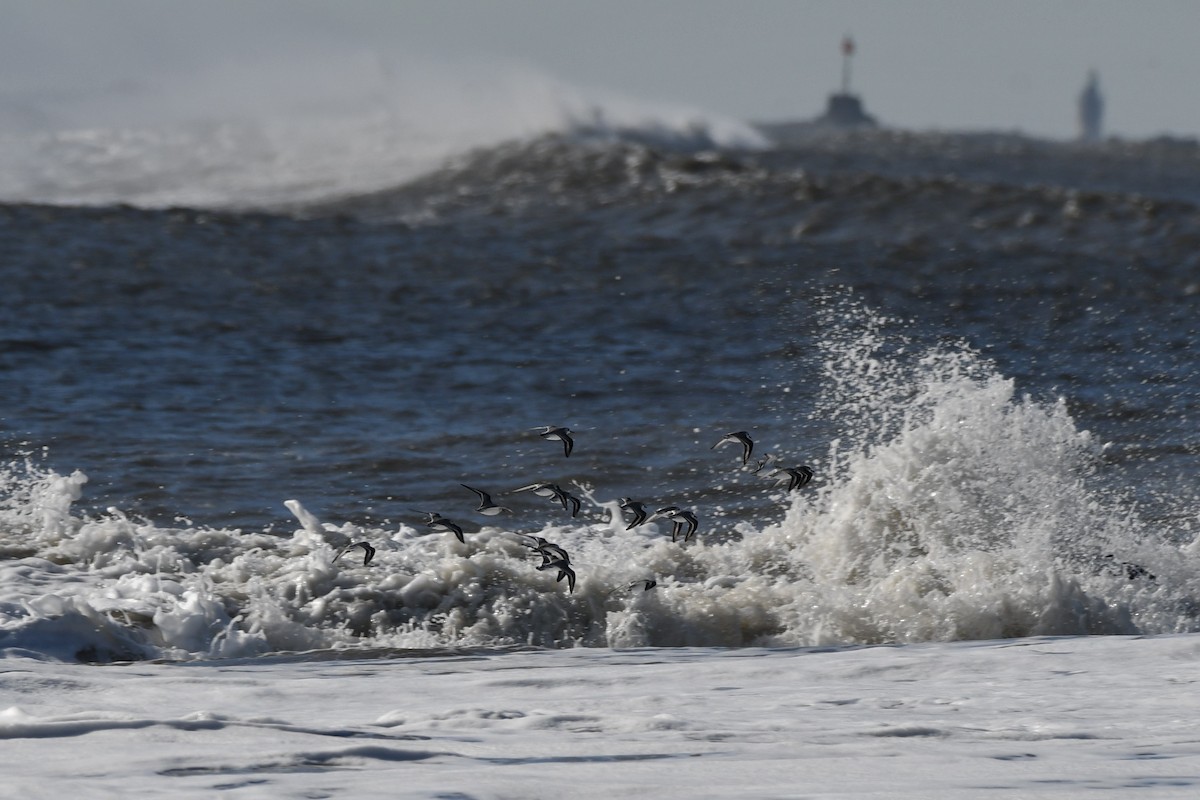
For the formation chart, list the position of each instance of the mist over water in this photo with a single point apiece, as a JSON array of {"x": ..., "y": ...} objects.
[{"x": 283, "y": 127}]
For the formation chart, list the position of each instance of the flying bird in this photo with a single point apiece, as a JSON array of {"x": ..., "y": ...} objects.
[
  {"x": 795, "y": 478},
  {"x": 681, "y": 521},
  {"x": 646, "y": 584},
  {"x": 440, "y": 523},
  {"x": 763, "y": 463},
  {"x": 368, "y": 552},
  {"x": 567, "y": 499},
  {"x": 552, "y": 553},
  {"x": 540, "y": 489},
  {"x": 564, "y": 571},
  {"x": 740, "y": 437},
  {"x": 548, "y": 550},
  {"x": 554, "y": 492},
  {"x": 486, "y": 506},
  {"x": 555, "y": 433},
  {"x": 638, "y": 509}
]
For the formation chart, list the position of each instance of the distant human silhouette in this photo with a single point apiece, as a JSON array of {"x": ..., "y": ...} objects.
[{"x": 1091, "y": 110}]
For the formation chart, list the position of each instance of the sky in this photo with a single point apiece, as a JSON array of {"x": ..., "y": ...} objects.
[{"x": 1016, "y": 65}]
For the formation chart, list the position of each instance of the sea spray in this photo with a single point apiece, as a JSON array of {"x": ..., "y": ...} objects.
[
  {"x": 948, "y": 506},
  {"x": 954, "y": 508}
]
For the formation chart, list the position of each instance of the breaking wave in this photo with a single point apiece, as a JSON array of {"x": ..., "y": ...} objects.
[
  {"x": 950, "y": 507},
  {"x": 294, "y": 131}
]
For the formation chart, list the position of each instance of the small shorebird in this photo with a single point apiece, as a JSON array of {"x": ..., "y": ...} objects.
[
  {"x": 486, "y": 506},
  {"x": 638, "y": 509},
  {"x": 542, "y": 489},
  {"x": 554, "y": 492},
  {"x": 564, "y": 571},
  {"x": 795, "y": 478},
  {"x": 555, "y": 433},
  {"x": 763, "y": 463},
  {"x": 368, "y": 552},
  {"x": 680, "y": 521},
  {"x": 740, "y": 437},
  {"x": 440, "y": 523},
  {"x": 548, "y": 550},
  {"x": 567, "y": 499}
]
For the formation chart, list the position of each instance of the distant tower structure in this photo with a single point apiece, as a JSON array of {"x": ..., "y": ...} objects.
[
  {"x": 1091, "y": 110},
  {"x": 845, "y": 110}
]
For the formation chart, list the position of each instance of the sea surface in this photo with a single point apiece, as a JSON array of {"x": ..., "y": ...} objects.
[{"x": 984, "y": 347}]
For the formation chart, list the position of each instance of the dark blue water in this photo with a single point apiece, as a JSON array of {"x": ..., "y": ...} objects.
[{"x": 368, "y": 355}]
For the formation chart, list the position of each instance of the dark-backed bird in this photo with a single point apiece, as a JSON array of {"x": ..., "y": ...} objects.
[
  {"x": 564, "y": 571},
  {"x": 740, "y": 437},
  {"x": 486, "y": 506},
  {"x": 440, "y": 523},
  {"x": 568, "y": 499},
  {"x": 763, "y": 463},
  {"x": 681, "y": 521},
  {"x": 554, "y": 492},
  {"x": 548, "y": 550},
  {"x": 552, "y": 552},
  {"x": 368, "y": 552},
  {"x": 645, "y": 584},
  {"x": 638, "y": 509},
  {"x": 557, "y": 434},
  {"x": 541, "y": 489},
  {"x": 795, "y": 478}
]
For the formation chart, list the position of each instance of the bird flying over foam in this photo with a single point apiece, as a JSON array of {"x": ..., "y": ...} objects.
[
  {"x": 638, "y": 509},
  {"x": 794, "y": 477},
  {"x": 681, "y": 521},
  {"x": 368, "y": 552},
  {"x": 439, "y": 523},
  {"x": 564, "y": 571}
]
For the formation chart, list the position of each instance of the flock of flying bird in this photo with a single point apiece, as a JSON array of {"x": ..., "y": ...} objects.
[{"x": 553, "y": 556}]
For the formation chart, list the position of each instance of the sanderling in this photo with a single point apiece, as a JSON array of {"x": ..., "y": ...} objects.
[
  {"x": 548, "y": 550},
  {"x": 541, "y": 489},
  {"x": 368, "y": 552},
  {"x": 440, "y": 523},
  {"x": 645, "y": 584},
  {"x": 486, "y": 506},
  {"x": 638, "y": 509},
  {"x": 680, "y": 520},
  {"x": 554, "y": 492},
  {"x": 742, "y": 438},
  {"x": 567, "y": 499},
  {"x": 763, "y": 463},
  {"x": 557, "y": 434},
  {"x": 564, "y": 571},
  {"x": 795, "y": 478}
]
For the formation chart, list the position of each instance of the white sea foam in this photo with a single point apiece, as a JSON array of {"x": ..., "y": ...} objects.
[
  {"x": 1045, "y": 717},
  {"x": 951, "y": 508}
]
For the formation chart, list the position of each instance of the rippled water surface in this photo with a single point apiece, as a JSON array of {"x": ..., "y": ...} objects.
[{"x": 850, "y": 302}]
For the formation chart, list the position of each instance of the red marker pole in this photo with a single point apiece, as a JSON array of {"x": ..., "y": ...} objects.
[{"x": 847, "y": 52}]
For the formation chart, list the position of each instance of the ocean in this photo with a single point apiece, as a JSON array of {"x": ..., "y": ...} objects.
[{"x": 216, "y": 380}]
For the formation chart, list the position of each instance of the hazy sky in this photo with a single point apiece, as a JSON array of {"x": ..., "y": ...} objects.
[{"x": 945, "y": 64}]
